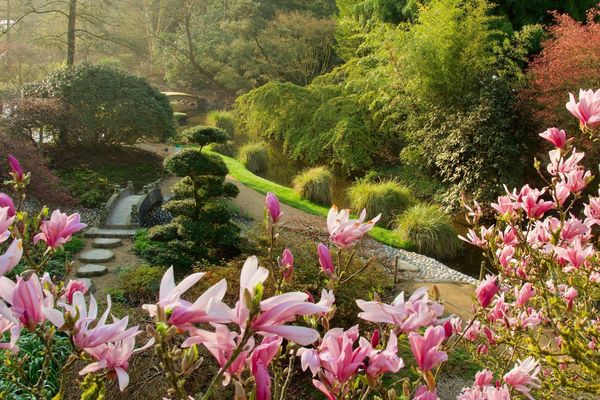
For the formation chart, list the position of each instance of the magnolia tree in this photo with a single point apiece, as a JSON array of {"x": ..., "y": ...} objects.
[
  {"x": 541, "y": 309},
  {"x": 535, "y": 324}
]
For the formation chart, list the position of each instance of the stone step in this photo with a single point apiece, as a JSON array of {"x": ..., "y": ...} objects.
[
  {"x": 109, "y": 233},
  {"x": 96, "y": 256},
  {"x": 107, "y": 243},
  {"x": 89, "y": 270}
]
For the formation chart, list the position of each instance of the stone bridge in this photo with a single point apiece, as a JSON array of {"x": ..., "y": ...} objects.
[
  {"x": 183, "y": 102},
  {"x": 126, "y": 210}
]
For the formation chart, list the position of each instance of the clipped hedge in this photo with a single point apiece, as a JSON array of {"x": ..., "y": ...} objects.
[
  {"x": 314, "y": 184},
  {"x": 388, "y": 198},
  {"x": 429, "y": 229},
  {"x": 254, "y": 156}
]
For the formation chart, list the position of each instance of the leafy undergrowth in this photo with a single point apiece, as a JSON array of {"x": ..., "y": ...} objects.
[
  {"x": 90, "y": 174},
  {"x": 290, "y": 197}
]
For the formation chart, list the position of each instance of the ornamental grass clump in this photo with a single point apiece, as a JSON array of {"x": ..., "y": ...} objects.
[
  {"x": 429, "y": 229},
  {"x": 388, "y": 198},
  {"x": 222, "y": 119},
  {"x": 254, "y": 156},
  {"x": 314, "y": 184}
]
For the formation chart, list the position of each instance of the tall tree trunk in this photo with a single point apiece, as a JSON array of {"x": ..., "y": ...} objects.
[{"x": 72, "y": 18}]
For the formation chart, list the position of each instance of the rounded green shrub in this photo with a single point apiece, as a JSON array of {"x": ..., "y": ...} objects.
[
  {"x": 222, "y": 119},
  {"x": 203, "y": 135},
  {"x": 429, "y": 229},
  {"x": 314, "y": 184},
  {"x": 193, "y": 163},
  {"x": 140, "y": 284},
  {"x": 254, "y": 156},
  {"x": 388, "y": 198}
]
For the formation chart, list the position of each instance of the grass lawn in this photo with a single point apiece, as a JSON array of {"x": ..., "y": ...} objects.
[{"x": 288, "y": 196}]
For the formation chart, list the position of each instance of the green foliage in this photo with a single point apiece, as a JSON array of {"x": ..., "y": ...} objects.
[
  {"x": 254, "y": 156},
  {"x": 430, "y": 230},
  {"x": 203, "y": 135},
  {"x": 522, "y": 13},
  {"x": 181, "y": 118},
  {"x": 314, "y": 184},
  {"x": 32, "y": 348},
  {"x": 139, "y": 284},
  {"x": 193, "y": 163},
  {"x": 387, "y": 198},
  {"x": 131, "y": 107},
  {"x": 392, "y": 11},
  {"x": 222, "y": 119},
  {"x": 227, "y": 148}
]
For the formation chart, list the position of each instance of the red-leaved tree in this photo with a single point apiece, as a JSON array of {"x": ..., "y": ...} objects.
[{"x": 570, "y": 60}]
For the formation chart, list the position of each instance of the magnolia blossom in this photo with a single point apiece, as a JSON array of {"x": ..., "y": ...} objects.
[
  {"x": 287, "y": 264},
  {"x": 6, "y": 220},
  {"x": 26, "y": 299},
  {"x": 423, "y": 393},
  {"x": 523, "y": 377},
  {"x": 115, "y": 357},
  {"x": 58, "y": 230},
  {"x": 6, "y": 201},
  {"x": 325, "y": 260},
  {"x": 383, "y": 361},
  {"x": 15, "y": 166},
  {"x": 486, "y": 290},
  {"x": 169, "y": 294},
  {"x": 407, "y": 316},
  {"x": 9, "y": 323},
  {"x": 587, "y": 109},
  {"x": 11, "y": 257},
  {"x": 345, "y": 232},
  {"x": 72, "y": 287},
  {"x": 523, "y": 295},
  {"x": 555, "y": 136},
  {"x": 273, "y": 207},
  {"x": 426, "y": 348},
  {"x": 575, "y": 255},
  {"x": 559, "y": 166},
  {"x": 477, "y": 240},
  {"x": 261, "y": 357}
]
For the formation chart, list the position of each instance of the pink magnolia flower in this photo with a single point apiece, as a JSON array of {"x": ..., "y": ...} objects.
[
  {"x": 6, "y": 201},
  {"x": 6, "y": 220},
  {"x": 287, "y": 264},
  {"x": 587, "y": 109},
  {"x": 486, "y": 290},
  {"x": 523, "y": 295},
  {"x": 575, "y": 255},
  {"x": 169, "y": 294},
  {"x": 325, "y": 260},
  {"x": 505, "y": 255},
  {"x": 572, "y": 228},
  {"x": 484, "y": 378},
  {"x": 559, "y": 166},
  {"x": 345, "y": 232},
  {"x": 261, "y": 357},
  {"x": 15, "y": 166},
  {"x": 221, "y": 343},
  {"x": 309, "y": 359},
  {"x": 423, "y": 393},
  {"x": 11, "y": 257},
  {"x": 476, "y": 240},
  {"x": 9, "y": 323},
  {"x": 524, "y": 376},
  {"x": 72, "y": 287},
  {"x": 569, "y": 295},
  {"x": 407, "y": 316},
  {"x": 115, "y": 357},
  {"x": 426, "y": 348},
  {"x": 577, "y": 180},
  {"x": 555, "y": 136},
  {"x": 592, "y": 211},
  {"x": 273, "y": 207},
  {"x": 58, "y": 230},
  {"x": 530, "y": 202},
  {"x": 26, "y": 298},
  {"x": 562, "y": 192},
  {"x": 383, "y": 361},
  {"x": 505, "y": 205}
]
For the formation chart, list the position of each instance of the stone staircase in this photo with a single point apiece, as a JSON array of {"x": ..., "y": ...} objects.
[{"x": 93, "y": 259}]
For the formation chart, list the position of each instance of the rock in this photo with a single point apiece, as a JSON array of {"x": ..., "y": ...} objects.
[
  {"x": 89, "y": 270},
  {"x": 97, "y": 256},
  {"x": 106, "y": 243},
  {"x": 405, "y": 266},
  {"x": 90, "y": 285}
]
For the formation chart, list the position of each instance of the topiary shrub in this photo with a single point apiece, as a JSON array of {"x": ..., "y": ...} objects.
[
  {"x": 222, "y": 119},
  {"x": 430, "y": 231},
  {"x": 254, "y": 156},
  {"x": 314, "y": 184},
  {"x": 202, "y": 135},
  {"x": 181, "y": 118},
  {"x": 388, "y": 198},
  {"x": 192, "y": 162}
]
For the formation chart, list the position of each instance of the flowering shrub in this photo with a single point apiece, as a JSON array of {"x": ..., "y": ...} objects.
[
  {"x": 535, "y": 323},
  {"x": 541, "y": 308}
]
